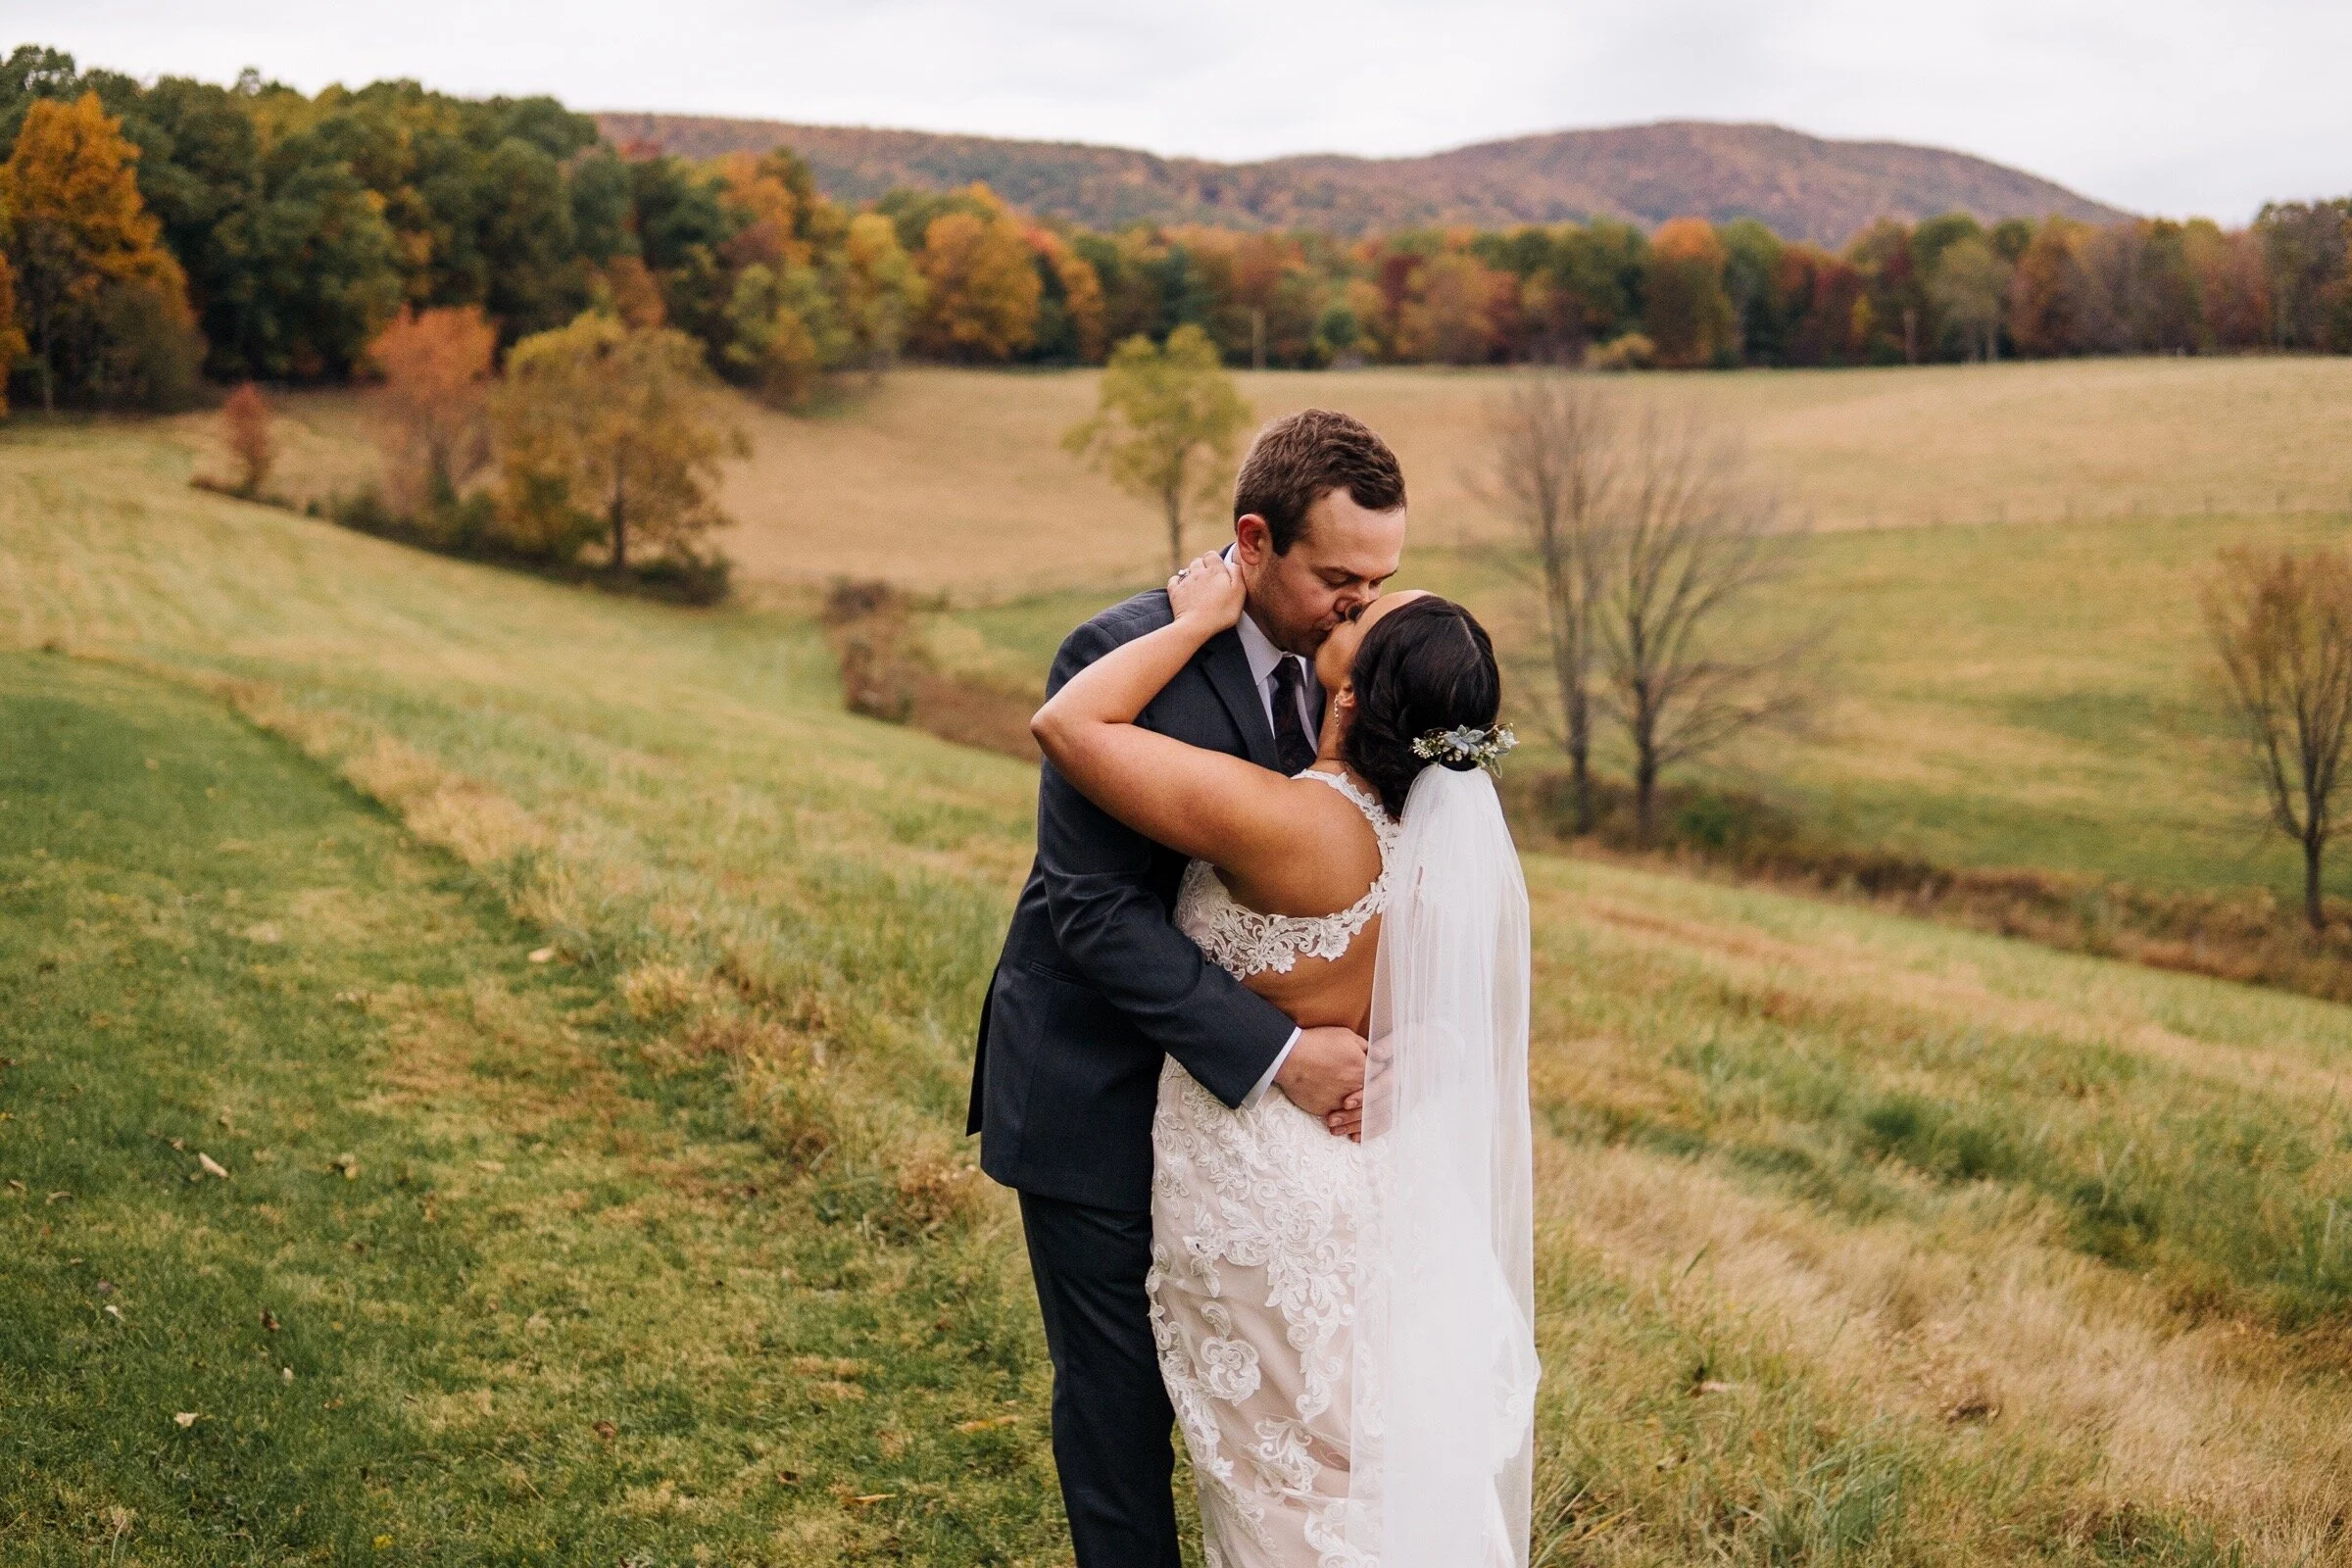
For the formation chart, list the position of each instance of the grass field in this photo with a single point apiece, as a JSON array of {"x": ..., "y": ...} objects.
[
  {"x": 954, "y": 480},
  {"x": 1862, "y": 1240},
  {"x": 2027, "y": 690}
]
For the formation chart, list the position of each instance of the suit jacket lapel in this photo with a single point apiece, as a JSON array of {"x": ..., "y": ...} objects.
[{"x": 1228, "y": 669}]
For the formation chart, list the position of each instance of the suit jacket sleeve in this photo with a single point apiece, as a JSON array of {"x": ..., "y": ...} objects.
[{"x": 1117, "y": 935}]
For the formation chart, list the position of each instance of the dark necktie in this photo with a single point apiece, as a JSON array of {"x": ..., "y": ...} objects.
[{"x": 1292, "y": 748}]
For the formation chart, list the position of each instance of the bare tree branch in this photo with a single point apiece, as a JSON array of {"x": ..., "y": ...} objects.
[
  {"x": 1554, "y": 466},
  {"x": 1692, "y": 542},
  {"x": 2281, "y": 630}
]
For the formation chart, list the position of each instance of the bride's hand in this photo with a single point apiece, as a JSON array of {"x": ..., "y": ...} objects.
[{"x": 1208, "y": 593}]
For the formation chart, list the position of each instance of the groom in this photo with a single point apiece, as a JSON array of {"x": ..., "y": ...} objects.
[{"x": 1095, "y": 984}]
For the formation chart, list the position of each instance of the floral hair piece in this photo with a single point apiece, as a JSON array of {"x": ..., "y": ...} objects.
[{"x": 1465, "y": 744}]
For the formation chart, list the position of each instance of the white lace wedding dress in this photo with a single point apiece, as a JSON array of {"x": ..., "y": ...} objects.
[{"x": 1254, "y": 1235}]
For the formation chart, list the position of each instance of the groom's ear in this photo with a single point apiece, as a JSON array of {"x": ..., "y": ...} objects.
[{"x": 1254, "y": 537}]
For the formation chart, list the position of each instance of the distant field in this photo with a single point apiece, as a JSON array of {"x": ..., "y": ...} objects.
[
  {"x": 2019, "y": 694},
  {"x": 953, "y": 479},
  {"x": 2026, "y": 689},
  {"x": 1862, "y": 1240}
]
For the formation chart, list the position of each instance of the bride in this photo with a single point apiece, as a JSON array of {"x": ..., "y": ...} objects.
[{"x": 1344, "y": 1323}]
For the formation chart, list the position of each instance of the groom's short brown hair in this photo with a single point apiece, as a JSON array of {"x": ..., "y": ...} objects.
[{"x": 1304, "y": 456}]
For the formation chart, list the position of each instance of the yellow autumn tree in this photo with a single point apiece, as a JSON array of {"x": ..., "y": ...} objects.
[
  {"x": 1165, "y": 425},
  {"x": 1686, "y": 310},
  {"x": 880, "y": 291},
  {"x": 982, "y": 286},
  {"x": 98, "y": 297},
  {"x": 612, "y": 433}
]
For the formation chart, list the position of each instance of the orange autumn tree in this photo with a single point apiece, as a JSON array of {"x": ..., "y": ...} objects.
[
  {"x": 245, "y": 425},
  {"x": 436, "y": 371},
  {"x": 982, "y": 286},
  {"x": 88, "y": 257},
  {"x": 1080, "y": 288},
  {"x": 1687, "y": 314}
]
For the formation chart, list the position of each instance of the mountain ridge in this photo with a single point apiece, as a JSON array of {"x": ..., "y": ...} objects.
[{"x": 1805, "y": 187}]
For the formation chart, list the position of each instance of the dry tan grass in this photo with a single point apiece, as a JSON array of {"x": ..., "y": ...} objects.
[
  {"x": 954, "y": 480},
  {"x": 951, "y": 480},
  {"x": 1981, "y": 1320}
]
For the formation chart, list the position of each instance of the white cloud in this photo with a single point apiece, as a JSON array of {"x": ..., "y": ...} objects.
[{"x": 2170, "y": 106}]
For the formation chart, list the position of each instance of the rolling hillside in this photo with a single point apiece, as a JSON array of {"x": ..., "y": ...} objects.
[
  {"x": 1804, "y": 186},
  {"x": 576, "y": 1003}
]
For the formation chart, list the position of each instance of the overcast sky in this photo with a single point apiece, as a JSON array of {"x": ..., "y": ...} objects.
[{"x": 2160, "y": 105}]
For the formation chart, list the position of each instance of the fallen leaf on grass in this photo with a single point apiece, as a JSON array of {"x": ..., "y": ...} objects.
[
  {"x": 1711, "y": 1386},
  {"x": 867, "y": 1499},
  {"x": 54, "y": 1196},
  {"x": 17, "y": 1184},
  {"x": 986, "y": 1423},
  {"x": 269, "y": 1320},
  {"x": 186, "y": 1418},
  {"x": 348, "y": 1164},
  {"x": 212, "y": 1166},
  {"x": 542, "y": 955},
  {"x": 104, "y": 1287},
  {"x": 112, "y": 1312},
  {"x": 605, "y": 1430}
]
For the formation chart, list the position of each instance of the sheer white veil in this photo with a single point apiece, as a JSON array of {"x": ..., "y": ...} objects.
[{"x": 1442, "y": 1435}]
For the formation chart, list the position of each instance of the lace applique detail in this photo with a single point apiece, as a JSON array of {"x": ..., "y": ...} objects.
[
  {"x": 1252, "y": 1287},
  {"x": 1243, "y": 942}
]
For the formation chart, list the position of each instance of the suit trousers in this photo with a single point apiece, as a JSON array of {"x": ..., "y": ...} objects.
[{"x": 1111, "y": 1416}]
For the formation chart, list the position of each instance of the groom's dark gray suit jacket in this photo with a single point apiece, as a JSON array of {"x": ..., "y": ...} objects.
[{"x": 1096, "y": 983}]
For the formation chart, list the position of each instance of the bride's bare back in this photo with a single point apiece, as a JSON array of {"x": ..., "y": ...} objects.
[{"x": 1324, "y": 860}]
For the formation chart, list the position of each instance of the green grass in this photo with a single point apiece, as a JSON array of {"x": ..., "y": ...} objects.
[
  {"x": 1861, "y": 1240},
  {"x": 1988, "y": 696},
  {"x": 209, "y": 947}
]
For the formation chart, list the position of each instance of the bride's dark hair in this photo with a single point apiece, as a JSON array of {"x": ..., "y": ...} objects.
[{"x": 1427, "y": 666}]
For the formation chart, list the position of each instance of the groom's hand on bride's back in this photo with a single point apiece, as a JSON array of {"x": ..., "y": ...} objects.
[{"x": 1323, "y": 1070}]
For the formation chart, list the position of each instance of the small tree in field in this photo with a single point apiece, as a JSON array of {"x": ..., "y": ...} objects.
[
  {"x": 1693, "y": 542},
  {"x": 604, "y": 431},
  {"x": 436, "y": 369},
  {"x": 2282, "y": 626},
  {"x": 1556, "y": 462},
  {"x": 245, "y": 418},
  {"x": 1165, "y": 427}
]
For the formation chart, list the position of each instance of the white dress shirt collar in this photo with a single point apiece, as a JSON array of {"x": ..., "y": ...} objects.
[{"x": 1264, "y": 655}]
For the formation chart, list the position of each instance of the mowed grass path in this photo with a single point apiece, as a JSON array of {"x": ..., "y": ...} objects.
[
  {"x": 1862, "y": 1240},
  {"x": 484, "y": 1281}
]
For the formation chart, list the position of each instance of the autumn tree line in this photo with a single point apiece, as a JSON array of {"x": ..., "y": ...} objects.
[{"x": 159, "y": 233}]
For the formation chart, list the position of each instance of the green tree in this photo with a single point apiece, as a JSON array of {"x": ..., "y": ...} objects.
[
  {"x": 788, "y": 331},
  {"x": 880, "y": 291},
  {"x": 1970, "y": 292},
  {"x": 606, "y": 432},
  {"x": 1165, "y": 425},
  {"x": 1751, "y": 279}
]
